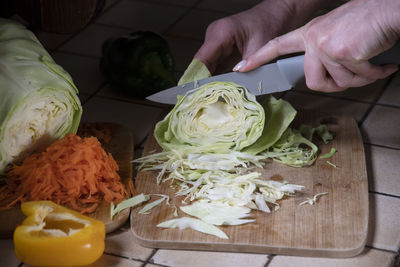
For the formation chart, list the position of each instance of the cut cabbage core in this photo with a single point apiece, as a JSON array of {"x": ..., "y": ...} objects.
[{"x": 35, "y": 123}]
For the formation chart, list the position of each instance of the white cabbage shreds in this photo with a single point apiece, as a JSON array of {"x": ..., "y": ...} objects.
[{"x": 195, "y": 224}]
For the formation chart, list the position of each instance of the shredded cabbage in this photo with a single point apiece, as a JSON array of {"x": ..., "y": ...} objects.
[
  {"x": 293, "y": 149},
  {"x": 218, "y": 213},
  {"x": 128, "y": 203},
  {"x": 195, "y": 224},
  {"x": 146, "y": 209},
  {"x": 314, "y": 199},
  {"x": 332, "y": 164},
  {"x": 214, "y": 139}
]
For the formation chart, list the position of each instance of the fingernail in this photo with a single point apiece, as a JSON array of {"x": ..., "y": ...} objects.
[{"x": 240, "y": 65}]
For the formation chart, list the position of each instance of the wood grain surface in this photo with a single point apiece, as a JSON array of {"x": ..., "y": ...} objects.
[
  {"x": 120, "y": 146},
  {"x": 336, "y": 226}
]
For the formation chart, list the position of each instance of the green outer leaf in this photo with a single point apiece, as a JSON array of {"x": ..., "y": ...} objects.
[
  {"x": 322, "y": 131},
  {"x": 329, "y": 154},
  {"x": 195, "y": 71},
  {"x": 278, "y": 116},
  {"x": 29, "y": 76},
  {"x": 161, "y": 129}
]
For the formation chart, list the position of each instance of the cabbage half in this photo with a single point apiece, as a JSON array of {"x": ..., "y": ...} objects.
[
  {"x": 38, "y": 99},
  {"x": 223, "y": 115},
  {"x": 218, "y": 115}
]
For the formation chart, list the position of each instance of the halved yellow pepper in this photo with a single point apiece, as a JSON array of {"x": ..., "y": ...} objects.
[{"x": 53, "y": 235}]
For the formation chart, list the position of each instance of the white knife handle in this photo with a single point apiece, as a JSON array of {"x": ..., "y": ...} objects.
[{"x": 293, "y": 68}]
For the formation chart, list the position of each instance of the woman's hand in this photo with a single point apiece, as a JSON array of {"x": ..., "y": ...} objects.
[
  {"x": 338, "y": 45},
  {"x": 242, "y": 34}
]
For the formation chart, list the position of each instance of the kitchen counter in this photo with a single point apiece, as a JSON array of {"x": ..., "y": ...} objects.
[{"x": 375, "y": 107}]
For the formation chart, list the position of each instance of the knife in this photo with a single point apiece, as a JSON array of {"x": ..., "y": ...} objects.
[{"x": 270, "y": 78}]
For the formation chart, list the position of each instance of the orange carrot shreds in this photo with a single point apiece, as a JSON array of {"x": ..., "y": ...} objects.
[{"x": 73, "y": 171}]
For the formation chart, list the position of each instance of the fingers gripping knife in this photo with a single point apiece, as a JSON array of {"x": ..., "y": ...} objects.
[{"x": 275, "y": 77}]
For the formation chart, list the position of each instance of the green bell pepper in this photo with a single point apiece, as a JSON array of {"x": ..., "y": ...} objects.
[{"x": 140, "y": 63}]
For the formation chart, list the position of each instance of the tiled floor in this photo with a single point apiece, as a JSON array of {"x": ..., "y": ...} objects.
[{"x": 183, "y": 22}]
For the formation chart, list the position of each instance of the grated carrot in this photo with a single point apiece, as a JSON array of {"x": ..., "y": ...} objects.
[{"x": 73, "y": 171}]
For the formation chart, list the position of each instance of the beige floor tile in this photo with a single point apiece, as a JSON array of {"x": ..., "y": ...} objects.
[
  {"x": 229, "y": 6},
  {"x": 369, "y": 258},
  {"x": 90, "y": 40},
  {"x": 382, "y": 127},
  {"x": 326, "y": 104},
  {"x": 194, "y": 24},
  {"x": 383, "y": 169},
  {"x": 384, "y": 223},
  {"x": 185, "y": 258},
  {"x": 7, "y": 255},
  {"x": 391, "y": 96},
  {"x": 138, "y": 118},
  {"x": 84, "y": 71},
  {"x": 366, "y": 93},
  {"x": 121, "y": 243},
  {"x": 141, "y": 15}
]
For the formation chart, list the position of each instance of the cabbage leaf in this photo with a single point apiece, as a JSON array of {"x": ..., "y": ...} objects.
[
  {"x": 218, "y": 213},
  {"x": 195, "y": 71},
  {"x": 195, "y": 224}
]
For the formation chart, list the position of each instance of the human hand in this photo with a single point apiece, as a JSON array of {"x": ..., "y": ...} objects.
[
  {"x": 244, "y": 33},
  {"x": 338, "y": 45}
]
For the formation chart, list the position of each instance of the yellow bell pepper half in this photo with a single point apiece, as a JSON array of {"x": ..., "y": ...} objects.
[{"x": 53, "y": 235}]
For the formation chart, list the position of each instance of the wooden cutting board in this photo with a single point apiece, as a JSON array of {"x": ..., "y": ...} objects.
[
  {"x": 120, "y": 145},
  {"x": 336, "y": 226}
]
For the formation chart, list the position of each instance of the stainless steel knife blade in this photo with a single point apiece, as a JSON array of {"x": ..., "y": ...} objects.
[{"x": 267, "y": 79}]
